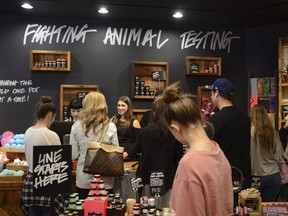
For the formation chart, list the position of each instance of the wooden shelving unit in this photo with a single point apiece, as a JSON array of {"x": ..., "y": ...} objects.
[
  {"x": 67, "y": 92},
  {"x": 282, "y": 83},
  {"x": 143, "y": 84},
  {"x": 48, "y": 60},
  {"x": 203, "y": 66}
]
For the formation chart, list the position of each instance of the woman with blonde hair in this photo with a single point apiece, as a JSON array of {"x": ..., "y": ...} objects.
[
  {"x": 203, "y": 182},
  {"x": 128, "y": 128},
  {"x": 266, "y": 150},
  {"x": 90, "y": 127}
]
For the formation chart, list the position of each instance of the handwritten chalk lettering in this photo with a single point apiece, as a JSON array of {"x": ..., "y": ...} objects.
[
  {"x": 217, "y": 40},
  {"x": 52, "y": 157},
  {"x": 4, "y": 91},
  {"x": 43, "y": 181},
  {"x": 17, "y": 99},
  {"x": 46, "y": 169},
  {"x": 18, "y": 91},
  {"x": 63, "y": 34},
  {"x": 25, "y": 82},
  {"x": 33, "y": 90},
  {"x": 8, "y": 82},
  {"x": 126, "y": 36},
  {"x": 2, "y": 99}
]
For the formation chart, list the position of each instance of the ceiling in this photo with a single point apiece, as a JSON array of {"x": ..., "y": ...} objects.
[{"x": 226, "y": 13}]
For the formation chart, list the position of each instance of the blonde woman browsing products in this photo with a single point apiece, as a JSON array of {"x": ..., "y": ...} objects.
[
  {"x": 128, "y": 128},
  {"x": 89, "y": 128},
  {"x": 203, "y": 182}
]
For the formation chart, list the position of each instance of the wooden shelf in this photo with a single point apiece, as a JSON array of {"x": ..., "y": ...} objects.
[
  {"x": 282, "y": 84},
  {"x": 12, "y": 150},
  {"x": 67, "y": 92},
  {"x": 203, "y": 66},
  {"x": 48, "y": 60},
  {"x": 143, "y": 86}
]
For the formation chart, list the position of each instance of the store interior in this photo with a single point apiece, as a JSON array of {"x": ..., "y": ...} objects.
[{"x": 240, "y": 41}]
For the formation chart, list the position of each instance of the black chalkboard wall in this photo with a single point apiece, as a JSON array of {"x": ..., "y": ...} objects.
[{"x": 98, "y": 57}]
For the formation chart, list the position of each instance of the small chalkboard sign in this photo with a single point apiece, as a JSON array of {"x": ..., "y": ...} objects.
[
  {"x": 136, "y": 183},
  {"x": 51, "y": 169},
  {"x": 157, "y": 179}
]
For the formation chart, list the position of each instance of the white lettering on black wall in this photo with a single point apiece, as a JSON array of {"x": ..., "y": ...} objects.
[
  {"x": 217, "y": 40},
  {"x": 63, "y": 34},
  {"x": 126, "y": 36},
  {"x": 16, "y": 91},
  {"x": 213, "y": 40}
]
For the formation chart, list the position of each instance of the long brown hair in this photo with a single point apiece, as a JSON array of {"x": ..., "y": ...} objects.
[
  {"x": 264, "y": 132},
  {"x": 128, "y": 115}
]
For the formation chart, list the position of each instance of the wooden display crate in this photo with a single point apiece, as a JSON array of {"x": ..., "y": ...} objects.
[
  {"x": 12, "y": 178},
  {"x": 12, "y": 166}
]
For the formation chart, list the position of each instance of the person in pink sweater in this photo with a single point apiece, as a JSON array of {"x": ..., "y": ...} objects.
[{"x": 203, "y": 181}]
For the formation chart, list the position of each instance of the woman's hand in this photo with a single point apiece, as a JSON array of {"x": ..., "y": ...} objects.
[{"x": 125, "y": 155}]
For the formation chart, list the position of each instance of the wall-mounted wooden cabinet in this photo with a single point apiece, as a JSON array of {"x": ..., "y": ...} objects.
[
  {"x": 204, "y": 66},
  {"x": 67, "y": 92},
  {"x": 282, "y": 82},
  {"x": 48, "y": 60},
  {"x": 148, "y": 77}
]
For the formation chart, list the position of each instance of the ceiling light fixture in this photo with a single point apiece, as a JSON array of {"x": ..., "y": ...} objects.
[
  {"x": 26, "y": 6},
  {"x": 178, "y": 15},
  {"x": 103, "y": 11}
]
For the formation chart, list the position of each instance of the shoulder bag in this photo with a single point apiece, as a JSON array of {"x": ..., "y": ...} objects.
[{"x": 104, "y": 159}]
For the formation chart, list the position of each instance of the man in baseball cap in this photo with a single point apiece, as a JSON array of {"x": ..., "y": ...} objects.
[
  {"x": 231, "y": 129},
  {"x": 224, "y": 87}
]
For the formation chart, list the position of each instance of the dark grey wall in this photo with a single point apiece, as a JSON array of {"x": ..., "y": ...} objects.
[
  {"x": 262, "y": 49},
  {"x": 106, "y": 65}
]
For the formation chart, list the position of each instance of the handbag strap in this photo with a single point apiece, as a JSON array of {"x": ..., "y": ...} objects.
[{"x": 103, "y": 132}]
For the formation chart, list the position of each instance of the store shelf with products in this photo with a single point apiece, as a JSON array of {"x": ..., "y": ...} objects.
[
  {"x": 204, "y": 100},
  {"x": 282, "y": 82},
  {"x": 264, "y": 92},
  {"x": 148, "y": 77},
  {"x": 67, "y": 92},
  {"x": 203, "y": 66},
  {"x": 49, "y": 60},
  {"x": 13, "y": 153}
]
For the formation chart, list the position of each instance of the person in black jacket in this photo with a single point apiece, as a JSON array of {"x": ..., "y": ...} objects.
[
  {"x": 283, "y": 133},
  {"x": 160, "y": 151},
  {"x": 231, "y": 129},
  {"x": 147, "y": 116}
]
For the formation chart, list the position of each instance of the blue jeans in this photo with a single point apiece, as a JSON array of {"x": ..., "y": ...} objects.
[
  {"x": 269, "y": 187},
  {"x": 40, "y": 210}
]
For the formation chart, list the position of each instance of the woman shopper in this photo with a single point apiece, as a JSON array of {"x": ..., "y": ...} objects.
[
  {"x": 160, "y": 151},
  {"x": 128, "y": 128},
  {"x": 266, "y": 150},
  {"x": 89, "y": 128},
  {"x": 36, "y": 135},
  {"x": 203, "y": 182}
]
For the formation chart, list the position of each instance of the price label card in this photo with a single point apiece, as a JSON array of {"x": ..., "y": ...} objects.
[{"x": 157, "y": 179}]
